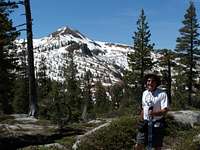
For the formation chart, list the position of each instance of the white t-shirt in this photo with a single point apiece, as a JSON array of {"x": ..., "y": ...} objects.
[{"x": 158, "y": 99}]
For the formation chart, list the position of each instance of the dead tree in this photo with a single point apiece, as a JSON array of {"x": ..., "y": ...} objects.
[{"x": 31, "y": 71}]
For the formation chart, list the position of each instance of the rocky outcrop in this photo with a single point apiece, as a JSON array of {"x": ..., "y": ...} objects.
[
  {"x": 22, "y": 131},
  {"x": 186, "y": 117}
]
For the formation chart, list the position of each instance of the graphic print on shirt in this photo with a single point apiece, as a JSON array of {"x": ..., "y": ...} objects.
[{"x": 147, "y": 103}]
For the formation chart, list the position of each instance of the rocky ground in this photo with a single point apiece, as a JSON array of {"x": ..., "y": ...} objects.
[{"x": 19, "y": 131}]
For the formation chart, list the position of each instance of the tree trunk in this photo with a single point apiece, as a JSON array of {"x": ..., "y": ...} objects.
[
  {"x": 169, "y": 81},
  {"x": 190, "y": 79},
  {"x": 31, "y": 72}
]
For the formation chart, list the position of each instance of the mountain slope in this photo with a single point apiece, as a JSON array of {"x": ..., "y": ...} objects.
[{"x": 105, "y": 60}]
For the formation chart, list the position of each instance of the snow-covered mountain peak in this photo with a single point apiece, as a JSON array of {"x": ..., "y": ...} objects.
[
  {"x": 66, "y": 31},
  {"x": 104, "y": 60}
]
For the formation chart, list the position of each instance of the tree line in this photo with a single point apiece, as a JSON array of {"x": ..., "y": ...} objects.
[
  {"x": 22, "y": 92},
  {"x": 180, "y": 67}
]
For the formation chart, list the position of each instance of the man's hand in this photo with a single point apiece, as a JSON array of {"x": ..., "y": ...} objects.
[
  {"x": 151, "y": 113},
  {"x": 157, "y": 113}
]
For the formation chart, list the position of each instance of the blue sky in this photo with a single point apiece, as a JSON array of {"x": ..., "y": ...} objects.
[{"x": 109, "y": 20}]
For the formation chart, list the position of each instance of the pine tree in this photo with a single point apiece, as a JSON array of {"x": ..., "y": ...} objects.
[
  {"x": 56, "y": 108},
  {"x": 43, "y": 80},
  {"x": 180, "y": 95},
  {"x": 166, "y": 63},
  {"x": 43, "y": 85},
  {"x": 187, "y": 47},
  {"x": 87, "y": 95},
  {"x": 102, "y": 103},
  {"x": 72, "y": 84},
  {"x": 117, "y": 94},
  {"x": 20, "y": 103},
  {"x": 7, "y": 61},
  {"x": 140, "y": 60}
]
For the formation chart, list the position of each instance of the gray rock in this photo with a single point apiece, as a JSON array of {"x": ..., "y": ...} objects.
[
  {"x": 187, "y": 117},
  {"x": 19, "y": 131}
]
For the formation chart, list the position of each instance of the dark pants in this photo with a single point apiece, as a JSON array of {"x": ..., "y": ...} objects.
[{"x": 157, "y": 134}]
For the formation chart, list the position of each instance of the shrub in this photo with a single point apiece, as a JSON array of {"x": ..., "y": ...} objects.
[
  {"x": 118, "y": 135},
  {"x": 173, "y": 127},
  {"x": 180, "y": 136}
]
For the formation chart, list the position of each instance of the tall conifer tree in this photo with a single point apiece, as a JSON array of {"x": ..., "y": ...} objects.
[
  {"x": 102, "y": 103},
  {"x": 187, "y": 47},
  {"x": 20, "y": 103},
  {"x": 140, "y": 60},
  {"x": 166, "y": 63},
  {"x": 87, "y": 95},
  {"x": 43, "y": 80},
  {"x": 72, "y": 84},
  {"x": 7, "y": 61}
]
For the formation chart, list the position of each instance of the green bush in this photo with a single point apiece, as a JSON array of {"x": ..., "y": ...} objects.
[
  {"x": 173, "y": 127},
  {"x": 180, "y": 136},
  {"x": 118, "y": 135},
  {"x": 179, "y": 100}
]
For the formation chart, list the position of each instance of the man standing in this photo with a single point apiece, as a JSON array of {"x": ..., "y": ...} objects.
[{"x": 154, "y": 106}]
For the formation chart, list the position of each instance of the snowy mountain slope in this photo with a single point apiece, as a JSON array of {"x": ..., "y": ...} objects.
[{"x": 104, "y": 60}]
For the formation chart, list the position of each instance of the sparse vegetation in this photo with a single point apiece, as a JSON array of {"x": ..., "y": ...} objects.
[
  {"x": 118, "y": 135},
  {"x": 181, "y": 137}
]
